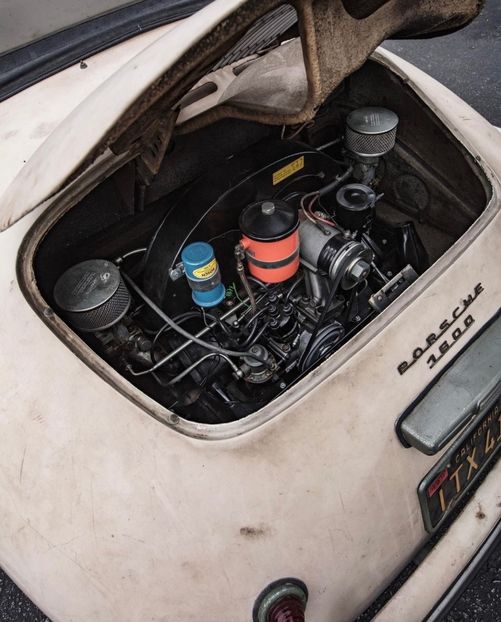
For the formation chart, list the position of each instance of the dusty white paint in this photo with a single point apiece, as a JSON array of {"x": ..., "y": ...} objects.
[
  {"x": 108, "y": 515},
  {"x": 27, "y": 119},
  {"x": 67, "y": 145}
]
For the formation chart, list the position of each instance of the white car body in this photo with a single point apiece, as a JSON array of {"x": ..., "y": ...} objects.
[{"x": 110, "y": 514}]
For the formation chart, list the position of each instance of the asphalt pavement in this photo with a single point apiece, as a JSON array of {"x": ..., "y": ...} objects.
[
  {"x": 469, "y": 63},
  {"x": 481, "y": 602}
]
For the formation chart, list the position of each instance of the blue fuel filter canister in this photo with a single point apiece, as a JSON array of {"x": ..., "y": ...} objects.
[{"x": 202, "y": 272}]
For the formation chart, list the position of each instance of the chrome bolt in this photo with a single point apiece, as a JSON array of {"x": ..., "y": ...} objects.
[{"x": 359, "y": 271}]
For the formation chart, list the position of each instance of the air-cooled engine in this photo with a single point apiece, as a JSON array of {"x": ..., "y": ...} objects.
[{"x": 257, "y": 275}]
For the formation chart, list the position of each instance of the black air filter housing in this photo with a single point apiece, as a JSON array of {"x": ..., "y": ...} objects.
[
  {"x": 355, "y": 206},
  {"x": 269, "y": 221}
]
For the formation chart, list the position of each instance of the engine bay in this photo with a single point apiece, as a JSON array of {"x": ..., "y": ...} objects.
[
  {"x": 261, "y": 272},
  {"x": 258, "y": 251}
]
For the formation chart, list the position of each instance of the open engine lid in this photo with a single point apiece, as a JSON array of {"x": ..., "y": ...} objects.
[{"x": 135, "y": 107}]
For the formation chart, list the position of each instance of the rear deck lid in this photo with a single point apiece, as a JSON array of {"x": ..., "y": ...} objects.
[{"x": 140, "y": 96}]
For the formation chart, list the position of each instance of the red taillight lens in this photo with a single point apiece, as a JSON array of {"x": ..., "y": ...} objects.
[
  {"x": 282, "y": 601},
  {"x": 289, "y": 609}
]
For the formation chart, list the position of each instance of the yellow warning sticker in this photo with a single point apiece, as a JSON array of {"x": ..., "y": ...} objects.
[
  {"x": 288, "y": 170},
  {"x": 206, "y": 271}
]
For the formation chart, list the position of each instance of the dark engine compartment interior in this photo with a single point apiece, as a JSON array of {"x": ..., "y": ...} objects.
[{"x": 258, "y": 251}]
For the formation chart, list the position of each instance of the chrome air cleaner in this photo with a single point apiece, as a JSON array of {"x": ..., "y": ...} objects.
[
  {"x": 369, "y": 134},
  {"x": 92, "y": 295},
  {"x": 370, "y": 131}
]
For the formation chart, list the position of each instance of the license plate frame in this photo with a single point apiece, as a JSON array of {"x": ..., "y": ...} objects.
[{"x": 460, "y": 467}]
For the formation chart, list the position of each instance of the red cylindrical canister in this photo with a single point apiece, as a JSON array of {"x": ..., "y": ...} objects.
[{"x": 271, "y": 240}]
